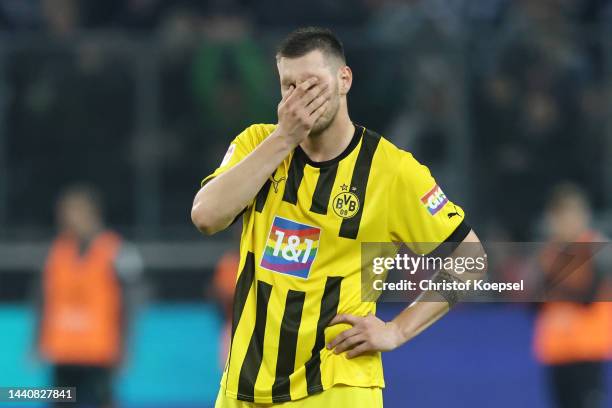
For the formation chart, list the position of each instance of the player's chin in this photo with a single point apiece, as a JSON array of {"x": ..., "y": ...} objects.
[{"x": 320, "y": 125}]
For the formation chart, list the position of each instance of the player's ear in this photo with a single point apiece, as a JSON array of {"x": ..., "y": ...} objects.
[{"x": 345, "y": 79}]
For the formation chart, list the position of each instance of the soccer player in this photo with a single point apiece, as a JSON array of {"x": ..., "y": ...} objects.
[{"x": 311, "y": 189}]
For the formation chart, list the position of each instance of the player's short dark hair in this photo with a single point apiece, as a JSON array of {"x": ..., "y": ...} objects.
[{"x": 306, "y": 39}]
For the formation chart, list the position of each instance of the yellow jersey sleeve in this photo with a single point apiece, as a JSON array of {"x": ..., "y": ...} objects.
[
  {"x": 240, "y": 147},
  {"x": 419, "y": 211}
]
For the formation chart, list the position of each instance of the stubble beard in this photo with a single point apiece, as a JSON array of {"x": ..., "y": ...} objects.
[{"x": 324, "y": 122}]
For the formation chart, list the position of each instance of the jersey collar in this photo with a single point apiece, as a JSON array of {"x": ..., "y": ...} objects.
[{"x": 301, "y": 155}]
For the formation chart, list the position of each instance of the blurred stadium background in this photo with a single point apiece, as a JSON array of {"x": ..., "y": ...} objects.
[{"x": 501, "y": 99}]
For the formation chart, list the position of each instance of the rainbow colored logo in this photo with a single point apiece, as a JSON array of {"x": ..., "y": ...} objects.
[
  {"x": 434, "y": 200},
  {"x": 291, "y": 248}
]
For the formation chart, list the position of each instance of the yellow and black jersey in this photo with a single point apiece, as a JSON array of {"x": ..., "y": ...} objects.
[{"x": 300, "y": 260}]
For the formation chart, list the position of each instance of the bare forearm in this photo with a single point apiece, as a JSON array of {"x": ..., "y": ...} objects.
[
  {"x": 418, "y": 317},
  {"x": 431, "y": 305},
  {"x": 369, "y": 333},
  {"x": 224, "y": 197}
]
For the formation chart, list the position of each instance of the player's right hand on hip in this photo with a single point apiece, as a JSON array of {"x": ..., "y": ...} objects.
[{"x": 300, "y": 108}]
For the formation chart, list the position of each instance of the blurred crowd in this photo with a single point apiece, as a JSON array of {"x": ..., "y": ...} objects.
[
  {"x": 449, "y": 15},
  {"x": 140, "y": 97}
]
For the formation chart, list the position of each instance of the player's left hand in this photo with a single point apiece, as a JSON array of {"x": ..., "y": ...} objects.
[{"x": 368, "y": 334}]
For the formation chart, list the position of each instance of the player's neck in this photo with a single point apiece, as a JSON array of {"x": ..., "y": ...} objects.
[{"x": 330, "y": 143}]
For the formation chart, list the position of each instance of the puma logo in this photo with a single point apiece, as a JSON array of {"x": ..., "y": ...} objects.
[
  {"x": 276, "y": 183},
  {"x": 452, "y": 214}
]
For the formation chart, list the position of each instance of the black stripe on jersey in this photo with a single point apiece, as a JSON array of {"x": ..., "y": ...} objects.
[
  {"x": 254, "y": 355},
  {"x": 243, "y": 286},
  {"x": 262, "y": 195},
  {"x": 350, "y": 226},
  {"x": 329, "y": 308},
  {"x": 320, "y": 198},
  {"x": 294, "y": 179},
  {"x": 287, "y": 345}
]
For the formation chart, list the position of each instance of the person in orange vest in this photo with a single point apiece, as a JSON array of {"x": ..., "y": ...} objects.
[
  {"x": 573, "y": 329},
  {"x": 84, "y": 299}
]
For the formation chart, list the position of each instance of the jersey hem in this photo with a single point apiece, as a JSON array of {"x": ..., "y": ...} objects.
[{"x": 287, "y": 397}]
